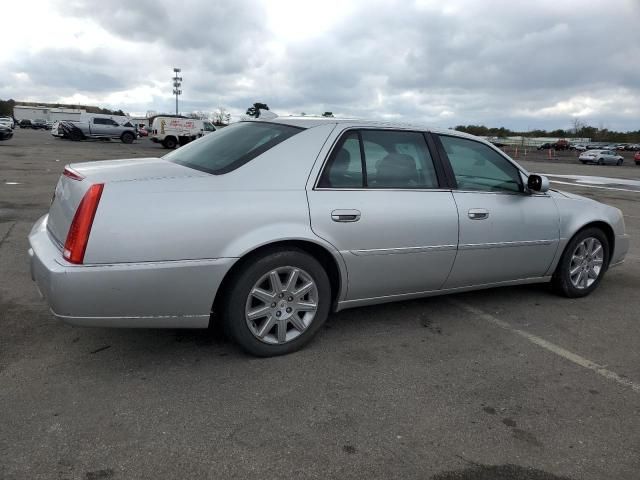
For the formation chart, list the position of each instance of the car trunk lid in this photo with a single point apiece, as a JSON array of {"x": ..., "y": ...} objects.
[{"x": 79, "y": 177}]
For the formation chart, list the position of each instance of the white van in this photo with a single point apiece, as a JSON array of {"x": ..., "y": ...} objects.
[{"x": 173, "y": 131}]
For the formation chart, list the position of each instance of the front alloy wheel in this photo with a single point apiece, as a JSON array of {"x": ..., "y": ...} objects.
[
  {"x": 583, "y": 264},
  {"x": 586, "y": 263}
]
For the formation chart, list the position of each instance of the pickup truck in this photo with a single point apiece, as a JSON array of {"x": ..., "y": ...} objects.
[{"x": 96, "y": 128}]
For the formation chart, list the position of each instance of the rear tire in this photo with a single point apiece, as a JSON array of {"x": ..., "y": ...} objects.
[
  {"x": 127, "y": 137},
  {"x": 267, "y": 318},
  {"x": 170, "y": 142},
  {"x": 600, "y": 161},
  {"x": 575, "y": 262},
  {"x": 619, "y": 162},
  {"x": 75, "y": 136}
]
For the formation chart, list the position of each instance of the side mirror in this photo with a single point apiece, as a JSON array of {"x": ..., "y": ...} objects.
[{"x": 538, "y": 183}]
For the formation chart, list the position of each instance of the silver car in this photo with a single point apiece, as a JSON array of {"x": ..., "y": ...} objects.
[
  {"x": 601, "y": 157},
  {"x": 268, "y": 226}
]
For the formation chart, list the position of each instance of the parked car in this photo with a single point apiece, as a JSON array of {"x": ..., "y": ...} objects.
[
  {"x": 545, "y": 146},
  {"x": 39, "y": 124},
  {"x": 7, "y": 122},
  {"x": 25, "y": 123},
  {"x": 601, "y": 157},
  {"x": 271, "y": 225},
  {"x": 96, "y": 127},
  {"x": 579, "y": 147},
  {"x": 636, "y": 158},
  {"x": 5, "y": 132},
  {"x": 634, "y": 147},
  {"x": 142, "y": 131},
  {"x": 173, "y": 131}
]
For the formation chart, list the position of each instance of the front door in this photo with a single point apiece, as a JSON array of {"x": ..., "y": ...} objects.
[
  {"x": 379, "y": 203},
  {"x": 505, "y": 233}
]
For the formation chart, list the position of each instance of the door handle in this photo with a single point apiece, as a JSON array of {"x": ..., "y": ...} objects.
[
  {"x": 345, "y": 215},
  {"x": 478, "y": 214}
]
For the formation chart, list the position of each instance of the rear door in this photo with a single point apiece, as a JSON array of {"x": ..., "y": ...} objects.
[
  {"x": 379, "y": 201},
  {"x": 505, "y": 233}
]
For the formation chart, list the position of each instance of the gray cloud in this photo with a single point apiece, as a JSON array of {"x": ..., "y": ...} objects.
[{"x": 495, "y": 62}]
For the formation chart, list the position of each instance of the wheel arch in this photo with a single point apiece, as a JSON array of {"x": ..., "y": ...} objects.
[
  {"x": 329, "y": 260},
  {"x": 600, "y": 224}
]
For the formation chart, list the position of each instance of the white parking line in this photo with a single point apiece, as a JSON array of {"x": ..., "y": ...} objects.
[
  {"x": 541, "y": 342},
  {"x": 595, "y": 186}
]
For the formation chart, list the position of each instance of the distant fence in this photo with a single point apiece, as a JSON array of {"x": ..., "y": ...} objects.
[{"x": 534, "y": 141}]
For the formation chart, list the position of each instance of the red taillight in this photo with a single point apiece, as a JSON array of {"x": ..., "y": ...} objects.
[
  {"x": 72, "y": 174},
  {"x": 78, "y": 236}
]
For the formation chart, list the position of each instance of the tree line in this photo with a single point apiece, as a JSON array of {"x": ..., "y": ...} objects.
[{"x": 579, "y": 130}]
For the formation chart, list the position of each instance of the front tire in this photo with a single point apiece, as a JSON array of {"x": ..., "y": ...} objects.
[
  {"x": 583, "y": 264},
  {"x": 600, "y": 161},
  {"x": 277, "y": 303},
  {"x": 619, "y": 162},
  {"x": 127, "y": 137}
]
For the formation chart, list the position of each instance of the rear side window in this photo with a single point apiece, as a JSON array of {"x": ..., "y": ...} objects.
[
  {"x": 478, "y": 167},
  {"x": 344, "y": 168},
  {"x": 391, "y": 159},
  {"x": 231, "y": 147}
]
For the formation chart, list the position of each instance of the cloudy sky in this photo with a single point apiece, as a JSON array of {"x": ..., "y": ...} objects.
[{"x": 492, "y": 62}]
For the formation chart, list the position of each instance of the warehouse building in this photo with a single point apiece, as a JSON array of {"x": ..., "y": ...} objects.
[{"x": 26, "y": 112}]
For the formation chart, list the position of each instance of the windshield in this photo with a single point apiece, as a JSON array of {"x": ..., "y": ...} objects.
[{"x": 231, "y": 147}]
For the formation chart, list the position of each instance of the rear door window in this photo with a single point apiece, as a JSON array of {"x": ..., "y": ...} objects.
[
  {"x": 392, "y": 159},
  {"x": 231, "y": 147}
]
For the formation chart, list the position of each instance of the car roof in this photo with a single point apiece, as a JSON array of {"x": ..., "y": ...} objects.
[{"x": 310, "y": 122}]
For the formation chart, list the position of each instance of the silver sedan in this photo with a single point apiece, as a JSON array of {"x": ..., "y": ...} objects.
[{"x": 268, "y": 226}]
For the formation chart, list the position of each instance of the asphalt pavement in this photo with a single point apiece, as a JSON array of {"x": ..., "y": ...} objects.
[{"x": 509, "y": 383}]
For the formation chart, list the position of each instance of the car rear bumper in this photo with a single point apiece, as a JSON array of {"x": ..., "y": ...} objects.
[{"x": 175, "y": 294}]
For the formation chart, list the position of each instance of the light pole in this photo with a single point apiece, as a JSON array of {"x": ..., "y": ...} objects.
[{"x": 177, "y": 81}]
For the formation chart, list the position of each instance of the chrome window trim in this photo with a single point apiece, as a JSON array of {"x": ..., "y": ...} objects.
[{"x": 354, "y": 189}]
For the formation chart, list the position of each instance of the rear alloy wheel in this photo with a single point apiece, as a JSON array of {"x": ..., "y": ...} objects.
[
  {"x": 127, "y": 137},
  {"x": 277, "y": 303},
  {"x": 583, "y": 264}
]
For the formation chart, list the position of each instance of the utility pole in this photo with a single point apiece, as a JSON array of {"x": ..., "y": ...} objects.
[{"x": 177, "y": 81}]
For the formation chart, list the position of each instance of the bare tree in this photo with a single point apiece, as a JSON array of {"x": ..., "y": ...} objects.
[{"x": 577, "y": 126}]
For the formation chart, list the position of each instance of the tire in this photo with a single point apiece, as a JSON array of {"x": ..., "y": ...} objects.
[
  {"x": 562, "y": 281},
  {"x": 127, "y": 137},
  {"x": 75, "y": 136},
  {"x": 169, "y": 142},
  {"x": 600, "y": 161},
  {"x": 583, "y": 162},
  {"x": 257, "y": 276},
  {"x": 619, "y": 162}
]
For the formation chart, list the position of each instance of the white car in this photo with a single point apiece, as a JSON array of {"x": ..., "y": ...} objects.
[
  {"x": 7, "y": 122},
  {"x": 601, "y": 157}
]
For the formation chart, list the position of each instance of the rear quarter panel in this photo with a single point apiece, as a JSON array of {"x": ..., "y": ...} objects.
[{"x": 213, "y": 216}]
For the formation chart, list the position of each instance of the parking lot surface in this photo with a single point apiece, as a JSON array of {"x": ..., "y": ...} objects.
[{"x": 505, "y": 383}]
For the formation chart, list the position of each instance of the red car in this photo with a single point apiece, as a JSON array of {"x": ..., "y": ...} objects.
[
  {"x": 142, "y": 131},
  {"x": 636, "y": 158}
]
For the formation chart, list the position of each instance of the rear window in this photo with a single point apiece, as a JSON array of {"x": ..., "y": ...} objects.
[{"x": 231, "y": 147}]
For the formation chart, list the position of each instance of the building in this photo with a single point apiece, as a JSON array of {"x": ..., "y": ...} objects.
[{"x": 26, "y": 112}]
